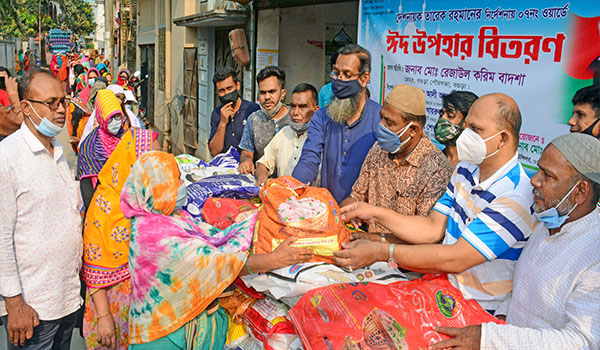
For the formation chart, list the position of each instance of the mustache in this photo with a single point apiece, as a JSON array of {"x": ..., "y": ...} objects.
[{"x": 537, "y": 193}]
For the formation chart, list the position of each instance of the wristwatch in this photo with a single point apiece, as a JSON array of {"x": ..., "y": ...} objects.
[{"x": 391, "y": 262}]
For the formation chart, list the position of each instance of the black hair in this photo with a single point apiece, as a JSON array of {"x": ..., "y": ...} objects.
[
  {"x": 4, "y": 69},
  {"x": 307, "y": 87},
  {"x": 26, "y": 80},
  {"x": 78, "y": 69},
  {"x": 271, "y": 71},
  {"x": 461, "y": 100},
  {"x": 223, "y": 73},
  {"x": 589, "y": 94},
  {"x": 333, "y": 58},
  {"x": 102, "y": 79},
  {"x": 363, "y": 54}
]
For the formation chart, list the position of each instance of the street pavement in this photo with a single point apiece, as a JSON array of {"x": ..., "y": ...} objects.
[{"x": 77, "y": 342}]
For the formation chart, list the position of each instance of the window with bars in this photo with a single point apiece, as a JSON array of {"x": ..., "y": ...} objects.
[{"x": 161, "y": 59}]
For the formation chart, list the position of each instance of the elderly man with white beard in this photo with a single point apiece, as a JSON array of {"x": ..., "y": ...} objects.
[{"x": 341, "y": 135}]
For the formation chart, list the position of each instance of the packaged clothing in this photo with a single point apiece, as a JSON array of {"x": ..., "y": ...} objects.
[
  {"x": 269, "y": 326},
  {"x": 193, "y": 169},
  {"x": 229, "y": 186},
  {"x": 222, "y": 212},
  {"x": 297, "y": 280},
  {"x": 291, "y": 208},
  {"x": 229, "y": 159},
  {"x": 187, "y": 162},
  {"x": 375, "y": 316}
]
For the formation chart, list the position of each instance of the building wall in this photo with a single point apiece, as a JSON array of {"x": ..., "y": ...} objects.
[
  {"x": 206, "y": 90},
  {"x": 302, "y": 61},
  {"x": 100, "y": 27},
  {"x": 181, "y": 37},
  {"x": 155, "y": 17}
]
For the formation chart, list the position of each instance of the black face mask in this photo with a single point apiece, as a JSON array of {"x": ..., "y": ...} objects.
[
  {"x": 230, "y": 97},
  {"x": 590, "y": 129}
]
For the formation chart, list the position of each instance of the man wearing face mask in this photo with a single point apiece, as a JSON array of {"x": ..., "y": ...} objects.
[
  {"x": 228, "y": 120},
  {"x": 483, "y": 217},
  {"x": 40, "y": 226},
  {"x": 284, "y": 150},
  {"x": 341, "y": 135},
  {"x": 262, "y": 125},
  {"x": 450, "y": 124},
  {"x": 561, "y": 260},
  {"x": 586, "y": 111},
  {"x": 404, "y": 171}
]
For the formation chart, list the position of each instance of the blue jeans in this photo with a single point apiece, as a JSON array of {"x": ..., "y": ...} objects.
[{"x": 49, "y": 335}]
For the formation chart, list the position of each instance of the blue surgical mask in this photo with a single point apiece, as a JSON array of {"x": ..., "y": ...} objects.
[
  {"x": 390, "y": 141},
  {"x": 91, "y": 81},
  {"x": 345, "y": 88},
  {"x": 45, "y": 127},
  {"x": 181, "y": 197},
  {"x": 551, "y": 218}
]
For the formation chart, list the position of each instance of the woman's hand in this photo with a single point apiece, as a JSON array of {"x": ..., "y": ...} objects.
[
  {"x": 286, "y": 255},
  {"x": 106, "y": 331}
]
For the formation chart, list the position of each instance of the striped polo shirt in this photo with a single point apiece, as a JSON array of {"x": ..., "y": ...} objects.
[{"x": 494, "y": 216}]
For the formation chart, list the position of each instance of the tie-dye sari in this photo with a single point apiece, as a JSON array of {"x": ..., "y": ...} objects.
[
  {"x": 178, "y": 266},
  {"x": 106, "y": 240}
]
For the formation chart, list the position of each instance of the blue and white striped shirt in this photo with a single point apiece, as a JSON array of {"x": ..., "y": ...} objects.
[{"x": 494, "y": 216}]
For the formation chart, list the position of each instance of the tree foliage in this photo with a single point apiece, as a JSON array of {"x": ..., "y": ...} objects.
[{"x": 20, "y": 17}]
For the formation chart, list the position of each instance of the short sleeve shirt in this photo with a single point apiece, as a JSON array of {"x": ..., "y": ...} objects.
[
  {"x": 235, "y": 127},
  {"x": 494, "y": 216},
  {"x": 410, "y": 187}
]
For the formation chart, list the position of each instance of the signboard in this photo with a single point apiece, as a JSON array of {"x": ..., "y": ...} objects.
[{"x": 538, "y": 52}]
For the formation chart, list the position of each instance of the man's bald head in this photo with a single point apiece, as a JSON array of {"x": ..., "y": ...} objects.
[{"x": 506, "y": 111}]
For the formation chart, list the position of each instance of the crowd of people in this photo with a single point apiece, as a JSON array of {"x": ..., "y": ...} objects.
[{"x": 524, "y": 249}]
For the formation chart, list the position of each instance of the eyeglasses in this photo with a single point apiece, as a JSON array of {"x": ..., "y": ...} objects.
[
  {"x": 124, "y": 77},
  {"x": 53, "y": 105},
  {"x": 346, "y": 76}
]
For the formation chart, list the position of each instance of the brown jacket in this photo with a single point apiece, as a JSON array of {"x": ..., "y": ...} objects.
[{"x": 10, "y": 121}]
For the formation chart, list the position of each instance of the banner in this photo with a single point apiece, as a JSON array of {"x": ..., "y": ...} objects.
[{"x": 537, "y": 52}]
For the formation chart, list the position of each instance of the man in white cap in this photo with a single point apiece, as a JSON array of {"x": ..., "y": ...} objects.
[{"x": 555, "y": 303}]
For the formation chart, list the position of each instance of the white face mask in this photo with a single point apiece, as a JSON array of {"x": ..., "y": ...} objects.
[
  {"x": 271, "y": 112},
  {"x": 471, "y": 147},
  {"x": 114, "y": 125}
]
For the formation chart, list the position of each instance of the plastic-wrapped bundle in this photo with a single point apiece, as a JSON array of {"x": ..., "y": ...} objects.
[{"x": 222, "y": 186}]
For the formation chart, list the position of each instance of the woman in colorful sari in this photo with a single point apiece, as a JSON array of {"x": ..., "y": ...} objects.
[
  {"x": 78, "y": 113},
  {"x": 178, "y": 266},
  {"x": 108, "y": 77},
  {"x": 102, "y": 68},
  {"x": 123, "y": 78},
  {"x": 106, "y": 244},
  {"x": 98, "y": 146}
]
